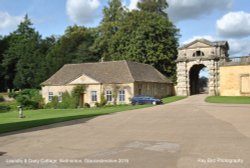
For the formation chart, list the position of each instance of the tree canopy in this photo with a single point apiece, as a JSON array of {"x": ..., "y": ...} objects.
[
  {"x": 21, "y": 59},
  {"x": 113, "y": 15},
  {"x": 157, "y": 6},
  {"x": 72, "y": 47},
  {"x": 148, "y": 38},
  {"x": 145, "y": 35}
]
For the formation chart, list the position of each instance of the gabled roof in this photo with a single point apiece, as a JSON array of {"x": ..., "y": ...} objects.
[
  {"x": 108, "y": 72},
  {"x": 205, "y": 41}
]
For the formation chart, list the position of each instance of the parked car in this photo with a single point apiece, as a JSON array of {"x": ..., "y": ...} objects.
[{"x": 145, "y": 100}]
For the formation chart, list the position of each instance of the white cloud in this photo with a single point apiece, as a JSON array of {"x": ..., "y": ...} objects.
[
  {"x": 133, "y": 4},
  {"x": 239, "y": 47},
  {"x": 191, "y": 9},
  {"x": 234, "y": 24},
  {"x": 82, "y": 11},
  {"x": 8, "y": 22}
]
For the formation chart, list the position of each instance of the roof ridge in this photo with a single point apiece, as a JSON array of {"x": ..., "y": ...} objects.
[
  {"x": 129, "y": 70},
  {"x": 105, "y": 62}
]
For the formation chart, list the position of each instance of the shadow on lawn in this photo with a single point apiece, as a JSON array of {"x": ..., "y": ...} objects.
[{"x": 36, "y": 125}]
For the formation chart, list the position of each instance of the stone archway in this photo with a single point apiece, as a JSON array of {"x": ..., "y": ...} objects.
[
  {"x": 194, "y": 79},
  {"x": 194, "y": 56}
]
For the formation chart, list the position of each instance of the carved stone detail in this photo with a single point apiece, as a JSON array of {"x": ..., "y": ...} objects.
[{"x": 213, "y": 55}]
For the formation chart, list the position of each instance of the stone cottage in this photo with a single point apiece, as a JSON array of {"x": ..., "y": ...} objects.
[{"x": 118, "y": 80}]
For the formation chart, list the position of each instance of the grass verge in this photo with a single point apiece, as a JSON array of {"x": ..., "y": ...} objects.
[
  {"x": 9, "y": 121},
  {"x": 228, "y": 99}
]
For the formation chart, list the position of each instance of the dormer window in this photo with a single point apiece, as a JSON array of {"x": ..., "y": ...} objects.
[{"x": 198, "y": 53}]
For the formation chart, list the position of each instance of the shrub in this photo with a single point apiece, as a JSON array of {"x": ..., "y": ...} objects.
[
  {"x": 11, "y": 104},
  {"x": 4, "y": 108},
  {"x": 29, "y": 98},
  {"x": 103, "y": 101},
  {"x": 97, "y": 104},
  {"x": 114, "y": 95},
  {"x": 54, "y": 102},
  {"x": 1, "y": 98},
  {"x": 86, "y": 105},
  {"x": 11, "y": 94},
  {"x": 39, "y": 99},
  {"x": 67, "y": 101}
]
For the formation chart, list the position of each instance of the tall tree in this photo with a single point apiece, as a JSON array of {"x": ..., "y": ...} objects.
[
  {"x": 22, "y": 59},
  {"x": 149, "y": 38},
  {"x": 72, "y": 47},
  {"x": 4, "y": 42},
  {"x": 113, "y": 15},
  {"x": 158, "y": 6}
]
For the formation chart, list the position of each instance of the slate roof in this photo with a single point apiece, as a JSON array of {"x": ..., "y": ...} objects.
[{"x": 108, "y": 72}]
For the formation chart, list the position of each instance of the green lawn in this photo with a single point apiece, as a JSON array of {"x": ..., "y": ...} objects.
[
  {"x": 9, "y": 121},
  {"x": 228, "y": 99}
]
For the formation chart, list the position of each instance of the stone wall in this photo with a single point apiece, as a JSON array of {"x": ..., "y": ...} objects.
[
  {"x": 235, "y": 80},
  {"x": 158, "y": 90},
  {"x": 128, "y": 88}
]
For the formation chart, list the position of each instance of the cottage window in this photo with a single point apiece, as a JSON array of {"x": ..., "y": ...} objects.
[
  {"x": 109, "y": 95},
  {"x": 121, "y": 95},
  {"x": 50, "y": 96},
  {"x": 60, "y": 96},
  {"x": 93, "y": 96}
]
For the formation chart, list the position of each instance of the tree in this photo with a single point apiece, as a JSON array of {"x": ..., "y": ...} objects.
[
  {"x": 4, "y": 44},
  {"x": 158, "y": 6},
  {"x": 72, "y": 47},
  {"x": 203, "y": 82},
  {"x": 113, "y": 15},
  {"x": 22, "y": 59},
  {"x": 149, "y": 38}
]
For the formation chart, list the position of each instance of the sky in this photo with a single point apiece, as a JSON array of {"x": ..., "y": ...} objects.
[{"x": 211, "y": 19}]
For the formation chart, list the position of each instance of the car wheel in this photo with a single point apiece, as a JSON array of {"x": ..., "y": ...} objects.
[{"x": 154, "y": 102}]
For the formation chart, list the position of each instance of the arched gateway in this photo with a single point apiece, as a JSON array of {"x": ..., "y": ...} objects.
[{"x": 192, "y": 58}]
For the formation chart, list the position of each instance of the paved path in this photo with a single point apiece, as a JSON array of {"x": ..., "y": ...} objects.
[{"x": 186, "y": 134}]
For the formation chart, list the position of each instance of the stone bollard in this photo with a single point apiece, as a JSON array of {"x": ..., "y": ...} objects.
[{"x": 20, "y": 111}]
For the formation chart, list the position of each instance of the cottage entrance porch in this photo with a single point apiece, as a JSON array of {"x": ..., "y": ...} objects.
[{"x": 81, "y": 100}]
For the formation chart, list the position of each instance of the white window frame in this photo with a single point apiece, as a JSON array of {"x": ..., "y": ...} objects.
[
  {"x": 241, "y": 87},
  {"x": 60, "y": 96},
  {"x": 109, "y": 96},
  {"x": 121, "y": 95},
  {"x": 50, "y": 96},
  {"x": 93, "y": 96}
]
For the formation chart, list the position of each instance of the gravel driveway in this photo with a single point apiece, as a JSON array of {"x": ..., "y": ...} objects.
[{"x": 186, "y": 134}]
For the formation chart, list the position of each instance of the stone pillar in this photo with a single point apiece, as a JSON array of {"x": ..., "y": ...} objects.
[
  {"x": 217, "y": 78},
  {"x": 182, "y": 79},
  {"x": 212, "y": 78}
]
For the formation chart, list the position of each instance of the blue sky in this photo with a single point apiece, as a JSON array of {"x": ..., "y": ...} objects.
[{"x": 215, "y": 20}]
